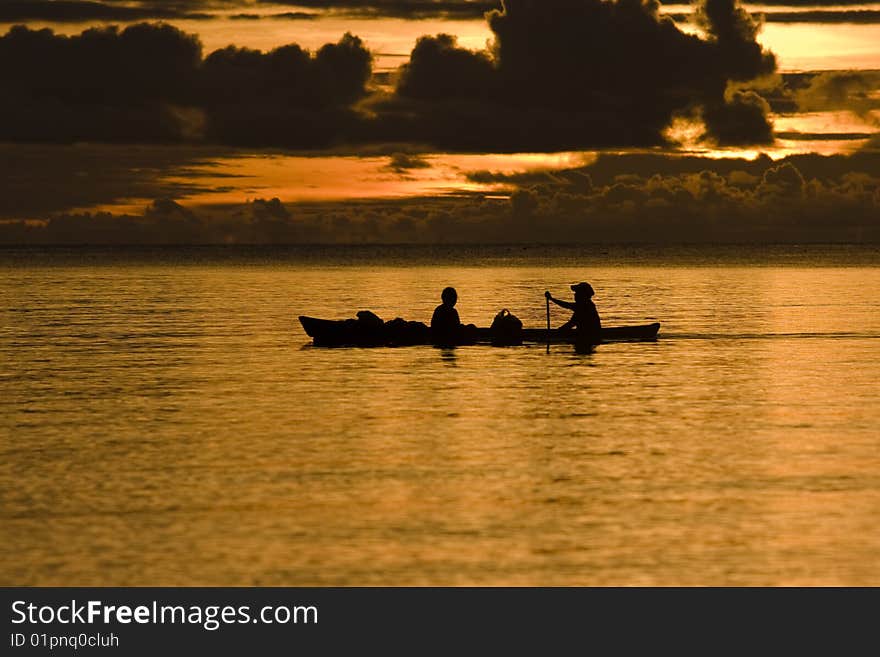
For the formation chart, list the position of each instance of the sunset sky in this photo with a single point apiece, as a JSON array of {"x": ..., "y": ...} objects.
[{"x": 242, "y": 121}]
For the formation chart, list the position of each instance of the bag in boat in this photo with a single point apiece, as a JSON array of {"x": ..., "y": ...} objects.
[
  {"x": 400, "y": 331},
  {"x": 368, "y": 329},
  {"x": 369, "y": 319},
  {"x": 506, "y": 329}
]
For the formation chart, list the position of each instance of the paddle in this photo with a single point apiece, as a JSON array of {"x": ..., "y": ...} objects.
[{"x": 547, "y": 298}]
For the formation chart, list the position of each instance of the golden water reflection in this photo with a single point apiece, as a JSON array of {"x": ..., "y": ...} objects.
[{"x": 162, "y": 424}]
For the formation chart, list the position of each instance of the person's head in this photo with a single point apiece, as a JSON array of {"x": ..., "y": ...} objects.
[
  {"x": 583, "y": 291},
  {"x": 449, "y": 296}
]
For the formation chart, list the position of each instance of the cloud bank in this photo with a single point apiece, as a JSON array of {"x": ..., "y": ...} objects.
[
  {"x": 150, "y": 83},
  {"x": 560, "y": 74},
  {"x": 411, "y": 9},
  {"x": 566, "y": 74},
  {"x": 617, "y": 199},
  {"x": 78, "y": 11}
]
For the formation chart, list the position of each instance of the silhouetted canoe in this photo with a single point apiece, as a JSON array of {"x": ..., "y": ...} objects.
[{"x": 351, "y": 332}]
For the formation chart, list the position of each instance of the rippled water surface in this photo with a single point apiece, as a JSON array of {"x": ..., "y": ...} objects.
[{"x": 163, "y": 421}]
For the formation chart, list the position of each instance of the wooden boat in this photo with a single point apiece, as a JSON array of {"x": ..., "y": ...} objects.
[{"x": 352, "y": 332}]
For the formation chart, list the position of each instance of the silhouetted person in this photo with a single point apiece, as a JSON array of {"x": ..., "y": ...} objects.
[
  {"x": 446, "y": 327},
  {"x": 585, "y": 318}
]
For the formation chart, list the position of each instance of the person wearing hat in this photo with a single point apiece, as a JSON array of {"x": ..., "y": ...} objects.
[{"x": 585, "y": 318}]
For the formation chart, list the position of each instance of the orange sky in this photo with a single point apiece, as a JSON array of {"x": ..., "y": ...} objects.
[
  {"x": 799, "y": 46},
  {"x": 293, "y": 177},
  {"x": 300, "y": 177}
]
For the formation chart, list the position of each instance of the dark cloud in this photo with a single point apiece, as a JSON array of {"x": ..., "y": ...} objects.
[
  {"x": 824, "y": 136},
  {"x": 167, "y": 222},
  {"x": 288, "y": 76},
  {"x": 286, "y": 15},
  {"x": 610, "y": 168},
  {"x": 476, "y": 9},
  {"x": 855, "y": 91},
  {"x": 284, "y": 97},
  {"x": 103, "y": 84},
  {"x": 79, "y": 11},
  {"x": 811, "y": 91},
  {"x": 780, "y": 204},
  {"x": 40, "y": 180},
  {"x": 566, "y": 74},
  {"x": 404, "y": 162},
  {"x": 439, "y": 70},
  {"x": 63, "y": 11},
  {"x": 149, "y": 82},
  {"x": 783, "y": 181},
  {"x": 412, "y": 9},
  {"x": 740, "y": 120},
  {"x": 860, "y": 16},
  {"x": 813, "y": 3},
  {"x": 836, "y": 15},
  {"x": 560, "y": 75},
  {"x": 261, "y": 221},
  {"x": 142, "y": 63},
  {"x": 618, "y": 199}
]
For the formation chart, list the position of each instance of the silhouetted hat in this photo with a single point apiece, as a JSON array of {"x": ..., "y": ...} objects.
[{"x": 583, "y": 287}]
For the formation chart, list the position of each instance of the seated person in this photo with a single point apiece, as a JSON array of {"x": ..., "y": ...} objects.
[
  {"x": 585, "y": 317},
  {"x": 446, "y": 327}
]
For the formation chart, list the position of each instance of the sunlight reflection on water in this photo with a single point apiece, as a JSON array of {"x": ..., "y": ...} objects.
[{"x": 163, "y": 422}]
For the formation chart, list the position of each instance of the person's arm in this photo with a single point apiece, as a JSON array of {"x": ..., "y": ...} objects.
[{"x": 559, "y": 302}]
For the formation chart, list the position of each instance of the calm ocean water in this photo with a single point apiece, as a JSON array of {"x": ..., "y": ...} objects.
[{"x": 163, "y": 420}]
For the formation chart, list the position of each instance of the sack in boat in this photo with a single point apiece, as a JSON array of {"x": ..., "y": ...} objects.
[
  {"x": 506, "y": 328},
  {"x": 400, "y": 331},
  {"x": 369, "y": 319}
]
